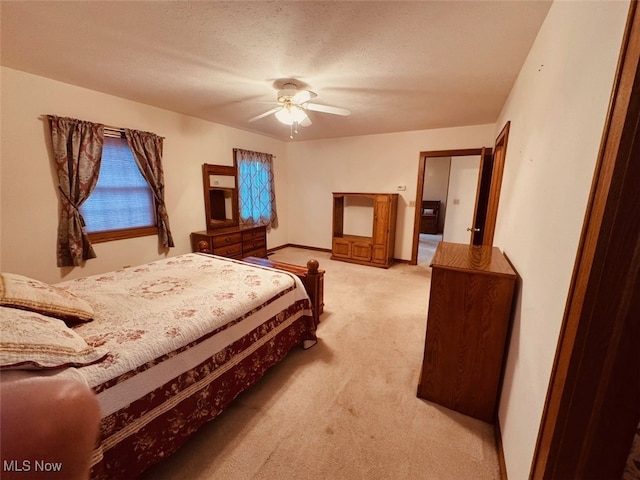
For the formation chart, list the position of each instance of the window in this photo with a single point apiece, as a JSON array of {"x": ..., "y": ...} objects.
[
  {"x": 256, "y": 193},
  {"x": 256, "y": 187},
  {"x": 121, "y": 205}
]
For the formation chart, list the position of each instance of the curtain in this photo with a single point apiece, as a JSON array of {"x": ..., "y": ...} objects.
[
  {"x": 256, "y": 192},
  {"x": 147, "y": 151},
  {"x": 77, "y": 151}
]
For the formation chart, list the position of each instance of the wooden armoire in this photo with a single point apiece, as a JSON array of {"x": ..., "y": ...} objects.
[{"x": 376, "y": 249}]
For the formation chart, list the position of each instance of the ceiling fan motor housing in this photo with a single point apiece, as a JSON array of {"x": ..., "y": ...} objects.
[{"x": 286, "y": 94}]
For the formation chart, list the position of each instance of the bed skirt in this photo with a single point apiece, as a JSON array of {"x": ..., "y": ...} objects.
[{"x": 153, "y": 427}]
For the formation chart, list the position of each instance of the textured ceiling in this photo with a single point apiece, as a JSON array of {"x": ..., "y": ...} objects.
[{"x": 398, "y": 66}]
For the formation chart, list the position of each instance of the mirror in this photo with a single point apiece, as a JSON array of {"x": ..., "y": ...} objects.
[{"x": 220, "y": 195}]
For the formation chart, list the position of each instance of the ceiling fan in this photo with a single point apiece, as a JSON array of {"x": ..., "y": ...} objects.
[{"x": 292, "y": 106}]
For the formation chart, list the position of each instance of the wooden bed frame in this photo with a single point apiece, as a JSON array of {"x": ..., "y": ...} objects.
[{"x": 312, "y": 278}]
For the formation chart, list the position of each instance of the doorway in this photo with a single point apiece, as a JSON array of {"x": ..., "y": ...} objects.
[
  {"x": 459, "y": 194},
  {"x": 433, "y": 207}
]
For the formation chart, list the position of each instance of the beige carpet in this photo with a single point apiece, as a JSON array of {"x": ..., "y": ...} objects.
[
  {"x": 347, "y": 407},
  {"x": 427, "y": 247}
]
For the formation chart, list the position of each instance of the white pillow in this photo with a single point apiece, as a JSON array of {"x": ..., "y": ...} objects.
[
  {"x": 23, "y": 292},
  {"x": 30, "y": 341}
]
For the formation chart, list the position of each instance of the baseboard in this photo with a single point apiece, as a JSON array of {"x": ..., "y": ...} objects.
[{"x": 318, "y": 249}]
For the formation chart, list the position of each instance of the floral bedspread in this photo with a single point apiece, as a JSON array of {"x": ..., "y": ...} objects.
[{"x": 145, "y": 315}]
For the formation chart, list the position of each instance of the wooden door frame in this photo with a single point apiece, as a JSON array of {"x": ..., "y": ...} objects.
[
  {"x": 421, "y": 170},
  {"x": 499, "y": 156},
  {"x": 593, "y": 403}
]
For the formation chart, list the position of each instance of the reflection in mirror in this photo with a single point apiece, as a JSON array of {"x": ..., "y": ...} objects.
[
  {"x": 222, "y": 181},
  {"x": 221, "y": 204},
  {"x": 220, "y": 195}
]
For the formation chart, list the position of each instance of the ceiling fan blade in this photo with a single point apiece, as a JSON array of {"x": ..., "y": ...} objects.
[
  {"x": 303, "y": 96},
  {"x": 328, "y": 109},
  {"x": 265, "y": 114}
]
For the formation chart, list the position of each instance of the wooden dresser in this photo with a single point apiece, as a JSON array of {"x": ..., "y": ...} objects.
[
  {"x": 232, "y": 242},
  {"x": 470, "y": 303},
  {"x": 376, "y": 250}
]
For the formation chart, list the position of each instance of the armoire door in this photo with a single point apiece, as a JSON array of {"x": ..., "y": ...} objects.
[
  {"x": 381, "y": 219},
  {"x": 381, "y": 212}
]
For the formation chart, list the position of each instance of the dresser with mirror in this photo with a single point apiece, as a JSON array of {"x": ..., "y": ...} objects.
[{"x": 223, "y": 235}]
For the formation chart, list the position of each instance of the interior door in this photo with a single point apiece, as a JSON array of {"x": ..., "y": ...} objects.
[
  {"x": 477, "y": 227},
  {"x": 499, "y": 155}
]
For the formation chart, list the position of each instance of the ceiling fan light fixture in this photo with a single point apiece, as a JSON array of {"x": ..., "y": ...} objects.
[
  {"x": 293, "y": 105},
  {"x": 290, "y": 114}
]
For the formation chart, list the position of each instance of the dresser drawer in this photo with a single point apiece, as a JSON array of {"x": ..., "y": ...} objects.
[
  {"x": 233, "y": 251},
  {"x": 220, "y": 241},
  {"x": 254, "y": 234},
  {"x": 258, "y": 252},
  {"x": 233, "y": 242},
  {"x": 253, "y": 245}
]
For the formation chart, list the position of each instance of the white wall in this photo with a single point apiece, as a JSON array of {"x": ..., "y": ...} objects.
[
  {"x": 358, "y": 216},
  {"x": 557, "y": 110},
  {"x": 305, "y": 174},
  {"x": 461, "y": 199},
  {"x": 28, "y": 182},
  {"x": 372, "y": 163}
]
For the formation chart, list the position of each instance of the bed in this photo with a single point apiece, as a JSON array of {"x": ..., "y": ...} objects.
[{"x": 169, "y": 345}]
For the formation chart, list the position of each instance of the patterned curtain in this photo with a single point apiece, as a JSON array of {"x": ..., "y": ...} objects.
[
  {"x": 147, "y": 152},
  {"x": 77, "y": 150},
  {"x": 256, "y": 190}
]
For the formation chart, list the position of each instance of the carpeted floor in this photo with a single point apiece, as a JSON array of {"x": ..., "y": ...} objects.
[
  {"x": 427, "y": 247},
  {"x": 346, "y": 408}
]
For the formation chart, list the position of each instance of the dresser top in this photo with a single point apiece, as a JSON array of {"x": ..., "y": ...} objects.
[
  {"x": 226, "y": 230},
  {"x": 459, "y": 256}
]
